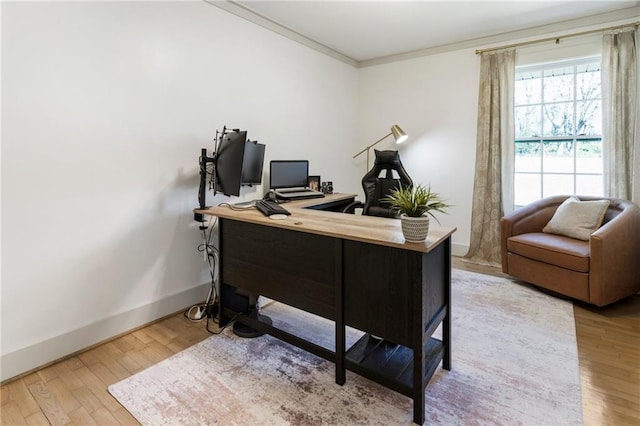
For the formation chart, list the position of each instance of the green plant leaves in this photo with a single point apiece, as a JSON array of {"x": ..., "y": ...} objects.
[{"x": 416, "y": 201}]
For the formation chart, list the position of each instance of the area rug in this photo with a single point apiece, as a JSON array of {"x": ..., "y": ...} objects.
[{"x": 514, "y": 362}]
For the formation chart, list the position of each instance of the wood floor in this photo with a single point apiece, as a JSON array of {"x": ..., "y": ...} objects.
[{"x": 74, "y": 391}]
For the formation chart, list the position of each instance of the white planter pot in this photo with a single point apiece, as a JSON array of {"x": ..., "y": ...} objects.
[{"x": 414, "y": 229}]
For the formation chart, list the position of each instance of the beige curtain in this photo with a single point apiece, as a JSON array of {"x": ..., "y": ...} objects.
[
  {"x": 621, "y": 150},
  {"x": 493, "y": 185}
]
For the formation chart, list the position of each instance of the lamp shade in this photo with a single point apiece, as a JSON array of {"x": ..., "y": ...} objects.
[{"x": 398, "y": 134}]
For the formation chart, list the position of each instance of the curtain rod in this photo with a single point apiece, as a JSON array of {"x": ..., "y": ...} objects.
[{"x": 557, "y": 39}]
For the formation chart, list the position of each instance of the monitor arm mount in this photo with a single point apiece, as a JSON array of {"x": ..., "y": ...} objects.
[{"x": 204, "y": 160}]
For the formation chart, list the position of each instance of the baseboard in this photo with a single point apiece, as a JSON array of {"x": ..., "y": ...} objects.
[
  {"x": 459, "y": 249},
  {"x": 42, "y": 353}
]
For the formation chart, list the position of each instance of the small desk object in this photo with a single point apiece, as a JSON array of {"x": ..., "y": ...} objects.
[{"x": 354, "y": 270}]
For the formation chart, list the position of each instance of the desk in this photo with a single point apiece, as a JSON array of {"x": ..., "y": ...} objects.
[{"x": 356, "y": 271}]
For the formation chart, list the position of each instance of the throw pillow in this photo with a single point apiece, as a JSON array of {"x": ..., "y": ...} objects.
[{"x": 577, "y": 219}]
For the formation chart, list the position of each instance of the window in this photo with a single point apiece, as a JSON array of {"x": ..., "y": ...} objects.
[{"x": 558, "y": 128}]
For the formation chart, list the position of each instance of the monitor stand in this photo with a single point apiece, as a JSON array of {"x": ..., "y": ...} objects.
[{"x": 242, "y": 330}]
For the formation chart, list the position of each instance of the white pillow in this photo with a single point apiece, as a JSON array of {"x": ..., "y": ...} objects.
[{"x": 577, "y": 219}]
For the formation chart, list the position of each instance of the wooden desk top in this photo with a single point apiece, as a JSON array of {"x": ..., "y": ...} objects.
[{"x": 368, "y": 229}]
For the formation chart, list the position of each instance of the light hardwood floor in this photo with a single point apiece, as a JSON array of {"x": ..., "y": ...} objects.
[{"x": 74, "y": 390}]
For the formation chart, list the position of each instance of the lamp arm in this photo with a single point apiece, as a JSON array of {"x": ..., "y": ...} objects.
[{"x": 373, "y": 144}]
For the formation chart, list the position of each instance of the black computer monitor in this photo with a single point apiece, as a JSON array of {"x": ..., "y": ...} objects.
[
  {"x": 252, "y": 163},
  {"x": 228, "y": 165},
  {"x": 288, "y": 173}
]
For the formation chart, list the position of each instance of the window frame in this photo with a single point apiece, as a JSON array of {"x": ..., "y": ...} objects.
[{"x": 575, "y": 139}]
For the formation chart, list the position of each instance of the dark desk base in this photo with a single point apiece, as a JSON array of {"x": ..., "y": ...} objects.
[{"x": 400, "y": 295}]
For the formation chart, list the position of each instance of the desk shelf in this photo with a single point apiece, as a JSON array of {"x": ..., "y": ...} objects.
[{"x": 391, "y": 364}]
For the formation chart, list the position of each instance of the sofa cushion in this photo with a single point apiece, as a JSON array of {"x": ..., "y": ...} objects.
[
  {"x": 577, "y": 219},
  {"x": 556, "y": 250}
]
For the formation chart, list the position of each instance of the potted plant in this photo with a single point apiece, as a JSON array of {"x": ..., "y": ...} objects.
[{"x": 415, "y": 205}]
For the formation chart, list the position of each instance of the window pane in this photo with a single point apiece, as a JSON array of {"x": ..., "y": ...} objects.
[
  {"x": 558, "y": 156},
  {"x": 588, "y": 156},
  {"x": 589, "y": 118},
  {"x": 588, "y": 82},
  {"x": 527, "y": 120},
  {"x": 558, "y": 87},
  {"x": 558, "y": 119},
  {"x": 526, "y": 188},
  {"x": 558, "y": 126},
  {"x": 589, "y": 185},
  {"x": 528, "y": 91},
  {"x": 557, "y": 185},
  {"x": 528, "y": 157}
]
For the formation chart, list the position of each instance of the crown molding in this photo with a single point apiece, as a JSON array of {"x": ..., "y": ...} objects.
[
  {"x": 562, "y": 28},
  {"x": 632, "y": 14},
  {"x": 253, "y": 16}
]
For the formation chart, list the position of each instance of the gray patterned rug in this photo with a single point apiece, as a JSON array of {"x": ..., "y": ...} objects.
[{"x": 514, "y": 362}]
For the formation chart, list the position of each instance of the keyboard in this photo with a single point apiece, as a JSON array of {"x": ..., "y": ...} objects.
[{"x": 268, "y": 208}]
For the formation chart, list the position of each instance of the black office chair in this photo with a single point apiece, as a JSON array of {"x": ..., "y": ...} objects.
[{"x": 377, "y": 187}]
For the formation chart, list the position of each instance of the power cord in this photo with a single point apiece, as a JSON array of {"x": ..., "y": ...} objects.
[
  {"x": 196, "y": 313},
  {"x": 209, "y": 308},
  {"x": 221, "y": 329}
]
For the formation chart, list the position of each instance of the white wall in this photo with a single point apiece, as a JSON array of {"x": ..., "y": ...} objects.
[
  {"x": 105, "y": 107},
  {"x": 434, "y": 100}
]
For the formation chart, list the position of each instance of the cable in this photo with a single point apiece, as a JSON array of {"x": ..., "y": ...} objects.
[
  {"x": 196, "y": 313},
  {"x": 225, "y": 326},
  {"x": 199, "y": 311},
  {"x": 213, "y": 260},
  {"x": 236, "y": 208}
]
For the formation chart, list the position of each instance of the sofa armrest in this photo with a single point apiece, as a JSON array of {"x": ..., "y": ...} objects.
[
  {"x": 530, "y": 218},
  {"x": 614, "y": 270}
]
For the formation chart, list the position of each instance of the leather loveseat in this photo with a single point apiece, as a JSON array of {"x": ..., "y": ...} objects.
[{"x": 599, "y": 271}]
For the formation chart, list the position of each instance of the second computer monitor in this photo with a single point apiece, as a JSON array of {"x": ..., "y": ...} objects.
[
  {"x": 288, "y": 173},
  {"x": 252, "y": 163}
]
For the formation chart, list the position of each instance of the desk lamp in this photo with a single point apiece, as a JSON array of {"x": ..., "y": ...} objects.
[{"x": 398, "y": 134}]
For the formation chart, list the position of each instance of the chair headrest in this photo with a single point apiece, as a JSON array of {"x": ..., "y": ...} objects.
[{"x": 387, "y": 158}]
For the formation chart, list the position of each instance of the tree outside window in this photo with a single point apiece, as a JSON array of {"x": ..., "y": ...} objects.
[{"x": 558, "y": 146}]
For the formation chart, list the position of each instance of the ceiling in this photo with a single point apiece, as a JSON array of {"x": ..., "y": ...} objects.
[{"x": 363, "y": 31}]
